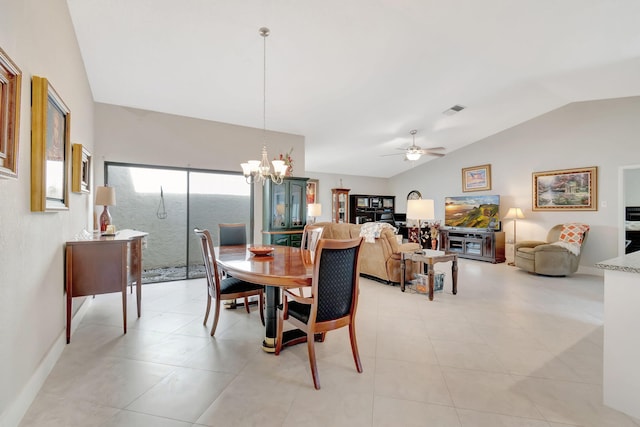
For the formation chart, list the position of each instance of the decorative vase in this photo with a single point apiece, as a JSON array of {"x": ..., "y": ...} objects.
[{"x": 434, "y": 244}]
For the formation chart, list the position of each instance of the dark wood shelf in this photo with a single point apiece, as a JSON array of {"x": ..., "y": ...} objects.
[{"x": 481, "y": 245}]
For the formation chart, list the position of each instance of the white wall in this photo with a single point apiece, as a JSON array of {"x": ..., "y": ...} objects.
[
  {"x": 39, "y": 37},
  {"x": 596, "y": 133},
  {"x": 145, "y": 137}
]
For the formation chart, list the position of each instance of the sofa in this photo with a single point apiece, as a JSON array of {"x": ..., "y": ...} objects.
[
  {"x": 379, "y": 260},
  {"x": 557, "y": 255}
]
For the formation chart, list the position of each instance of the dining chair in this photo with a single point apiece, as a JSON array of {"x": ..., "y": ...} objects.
[
  {"x": 229, "y": 288},
  {"x": 232, "y": 234},
  {"x": 333, "y": 301},
  {"x": 311, "y": 235}
]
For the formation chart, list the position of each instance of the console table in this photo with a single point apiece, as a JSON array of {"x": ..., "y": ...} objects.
[
  {"x": 104, "y": 264},
  {"x": 429, "y": 258}
]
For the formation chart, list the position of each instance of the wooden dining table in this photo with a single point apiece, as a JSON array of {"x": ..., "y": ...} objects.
[{"x": 284, "y": 267}]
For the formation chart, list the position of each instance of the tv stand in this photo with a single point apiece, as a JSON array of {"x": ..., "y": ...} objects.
[{"x": 480, "y": 244}]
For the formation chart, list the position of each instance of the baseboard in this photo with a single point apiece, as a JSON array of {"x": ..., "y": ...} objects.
[
  {"x": 16, "y": 410},
  {"x": 592, "y": 271}
]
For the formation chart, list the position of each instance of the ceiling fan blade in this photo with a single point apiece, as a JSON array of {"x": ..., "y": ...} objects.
[
  {"x": 433, "y": 148},
  {"x": 431, "y": 153},
  {"x": 394, "y": 154}
]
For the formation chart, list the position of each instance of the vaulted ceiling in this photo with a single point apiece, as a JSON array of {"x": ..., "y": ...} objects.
[{"x": 354, "y": 77}]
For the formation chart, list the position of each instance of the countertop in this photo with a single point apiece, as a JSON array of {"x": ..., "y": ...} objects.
[{"x": 629, "y": 263}]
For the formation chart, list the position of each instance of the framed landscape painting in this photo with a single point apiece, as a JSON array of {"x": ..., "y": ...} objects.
[
  {"x": 50, "y": 148},
  {"x": 10, "y": 85},
  {"x": 566, "y": 189},
  {"x": 476, "y": 178}
]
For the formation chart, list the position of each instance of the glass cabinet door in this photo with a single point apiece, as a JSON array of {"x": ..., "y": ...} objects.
[
  {"x": 298, "y": 193},
  {"x": 279, "y": 206},
  {"x": 342, "y": 207}
]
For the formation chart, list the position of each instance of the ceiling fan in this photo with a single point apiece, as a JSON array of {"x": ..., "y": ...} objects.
[{"x": 414, "y": 152}]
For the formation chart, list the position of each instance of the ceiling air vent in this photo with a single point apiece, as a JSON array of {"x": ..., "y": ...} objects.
[{"x": 455, "y": 109}]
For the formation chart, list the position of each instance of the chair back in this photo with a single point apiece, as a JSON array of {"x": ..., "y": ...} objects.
[
  {"x": 210, "y": 265},
  {"x": 311, "y": 237},
  {"x": 233, "y": 234},
  {"x": 336, "y": 279}
]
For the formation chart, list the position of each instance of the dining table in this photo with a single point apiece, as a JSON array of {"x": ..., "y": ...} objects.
[{"x": 283, "y": 267}]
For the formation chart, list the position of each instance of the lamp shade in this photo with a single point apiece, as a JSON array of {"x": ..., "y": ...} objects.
[
  {"x": 105, "y": 196},
  {"x": 514, "y": 213},
  {"x": 421, "y": 209},
  {"x": 314, "y": 209}
]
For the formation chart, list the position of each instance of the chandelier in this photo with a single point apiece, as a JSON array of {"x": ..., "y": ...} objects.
[{"x": 260, "y": 170}]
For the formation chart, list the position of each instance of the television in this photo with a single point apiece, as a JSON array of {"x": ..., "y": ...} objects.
[{"x": 472, "y": 212}]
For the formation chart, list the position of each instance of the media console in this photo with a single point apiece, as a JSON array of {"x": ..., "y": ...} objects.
[{"x": 477, "y": 244}]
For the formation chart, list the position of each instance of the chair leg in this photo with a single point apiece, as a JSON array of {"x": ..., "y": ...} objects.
[
  {"x": 312, "y": 360},
  {"x": 280, "y": 326},
  {"x": 354, "y": 346},
  {"x": 246, "y": 304},
  {"x": 206, "y": 314},
  {"x": 261, "y": 307},
  {"x": 215, "y": 318}
]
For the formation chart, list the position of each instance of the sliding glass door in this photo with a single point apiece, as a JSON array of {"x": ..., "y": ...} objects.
[{"x": 168, "y": 203}]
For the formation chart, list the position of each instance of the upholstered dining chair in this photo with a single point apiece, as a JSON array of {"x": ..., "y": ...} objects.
[
  {"x": 232, "y": 234},
  {"x": 333, "y": 301},
  {"x": 228, "y": 288},
  {"x": 311, "y": 236}
]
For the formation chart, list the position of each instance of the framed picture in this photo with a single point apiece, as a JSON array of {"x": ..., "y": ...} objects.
[
  {"x": 363, "y": 202},
  {"x": 476, "y": 178},
  {"x": 10, "y": 85},
  {"x": 50, "y": 148},
  {"x": 567, "y": 189},
  {"x": 80, "y": 169},
  {"x": 312, "y": 191}
]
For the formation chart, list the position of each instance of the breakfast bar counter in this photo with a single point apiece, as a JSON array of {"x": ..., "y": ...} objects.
[{"x": 621, "y": 369}]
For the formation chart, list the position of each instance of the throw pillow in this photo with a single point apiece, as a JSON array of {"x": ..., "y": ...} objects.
[{"x": 573, "y": 233}]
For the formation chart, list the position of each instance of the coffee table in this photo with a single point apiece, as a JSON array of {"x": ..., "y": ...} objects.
[{"x": 427, "y": 259}]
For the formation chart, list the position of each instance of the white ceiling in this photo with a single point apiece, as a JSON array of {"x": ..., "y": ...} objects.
[{"x": 354, "y": 77}]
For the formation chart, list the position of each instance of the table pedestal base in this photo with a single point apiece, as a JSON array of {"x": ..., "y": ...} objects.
[{"x": 289, "y": 338}]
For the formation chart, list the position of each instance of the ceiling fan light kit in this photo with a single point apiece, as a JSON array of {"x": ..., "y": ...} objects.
[{"x": 414, "y": 152}]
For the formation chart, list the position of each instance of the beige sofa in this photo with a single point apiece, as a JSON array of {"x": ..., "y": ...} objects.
[{"x": 379, "y": 260}]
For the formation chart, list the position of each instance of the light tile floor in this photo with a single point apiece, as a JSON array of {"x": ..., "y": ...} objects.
[{"x": 511, "y": 349}]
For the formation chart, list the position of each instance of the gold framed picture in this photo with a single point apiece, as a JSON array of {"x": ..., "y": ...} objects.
[
  {"x": 80, "y": 169},
  {"x": 10, "y": 85},
  {"x": 312, "y": 191},
  {"x": 50, "y": 148},
  {"x": 566, "y": 189},
  {"x": 476, "y": 178}
]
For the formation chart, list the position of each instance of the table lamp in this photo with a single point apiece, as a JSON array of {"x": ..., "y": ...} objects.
[
  {"x": 420, "y": 210},
  {"x": 314, "y": 210},
  {"x": 515, "y": 214},
  {"x": 105, "y": 196}
]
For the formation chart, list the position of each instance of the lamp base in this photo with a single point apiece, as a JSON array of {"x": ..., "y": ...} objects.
[{"x": 105, "y": 219}]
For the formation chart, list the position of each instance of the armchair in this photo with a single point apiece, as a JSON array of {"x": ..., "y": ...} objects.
[{"x": 559, "y": 255}]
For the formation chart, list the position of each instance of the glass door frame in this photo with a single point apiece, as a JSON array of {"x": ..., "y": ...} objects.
[{"x": 188, "y": 170}]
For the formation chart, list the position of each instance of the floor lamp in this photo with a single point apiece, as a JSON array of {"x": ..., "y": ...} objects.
[
  {"x": 420, "y": 210},
  {"x": 515, "y": 214}
]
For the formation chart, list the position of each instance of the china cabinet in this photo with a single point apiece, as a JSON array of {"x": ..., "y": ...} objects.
[
  {"x": 339, "y": 204},
  {"x": 284, "y": 211}
]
